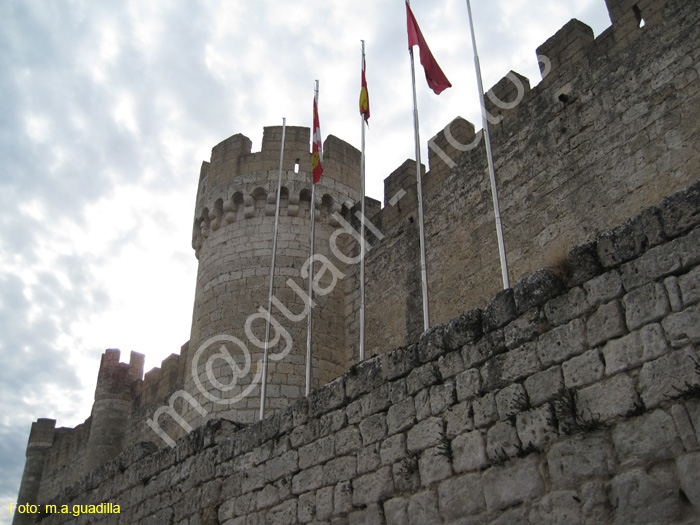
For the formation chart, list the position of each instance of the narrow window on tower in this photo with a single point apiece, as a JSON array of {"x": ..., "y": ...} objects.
[
  {"x": 638, "y": 14},
  {"x": 296, "y": 166}
]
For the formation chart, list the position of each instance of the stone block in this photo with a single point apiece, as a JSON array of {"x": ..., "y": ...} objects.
[
  {"x": 652, "y": 266},
  {"x": 502, "y": 442},
  {"x": 364, "y": 377},
  {"x": 544, "y": 386},
  {"x": 460, "y": 497},
  {"x": 283, "y": 514},
  {"x": 669, "y": 377},
  {"x": 423, "y": 508},
  {"x": 347, "y": 440},
  {"x": 583, "y": 370},
  {"x": 688, "y": 466},
  {"x": 373, "y": 428},
  {"x": 468, "y": 384},
  {"x": 372, "y": 514},
  {"x": 450, "y": 364},
  {"x": 327, "y": 398},
  {"x": 425, "y": 434},
  {"x": 673, "y": 291},
  {"x": 604, "y": 288},
  {"x": 500, "y": 311},
  {"x": 463, "y": 329},
  {"x": 634, "y": 349},
  {"x": 484, "y": 409},
  {"x": 342, "y": 497},
  {"x": 646, "y": 439},
  {"x": 607, "y": 400},
  {"x": 306, "y": 507},
  {"x": 516, "y": 481},
  {"x": 393, "y": 449},
  {"x": 442, "y": 397},
  {"x": 478, "y": 352},
  {"x": 681, "y": 211},
  {"x": 373, "y": 487},
  {"x": 401, "y": 416},
  {"x": 317, "y": 452},
  {"x": 565, "y": 307},
  {"x": 324, "y": 503},
  {"x": 434, "y": 464},
  {"x": 422, "y": 402},
  {"x": 536, "y": 289},
  {"x": 514, "y": 365},
  {"x": 684, "y": 427},
  {"x": 689, "y": 285},
  {"x": 469, "y": 452},
  {"x": 524, "y": 329},
  {"x": 607, "y": 322},
  {"x": 306, "y": 480},
  {"x": 585, "y": 264},
  {"x": 630, "y": 239},
  {"x": 646, "y": 305},
  {"x": 683, "y": 328},
  {"x": 400, "y": 362},
  {"x": 561, "y": 506},
  {"x": 458, "y": 419},
  {"x": 422, "y": 377},
  {"x": 577, "y": 459},
  {"x": 511, "y": 401},
  {"x": 562, "y": 342},
  {"x": 339, "y": 469},
  {"x": 396, "y": 511},
  {"x": 368, "y": 458},
  {"x": 638, "y": 496},
  {"x": 537, "y": 427}
]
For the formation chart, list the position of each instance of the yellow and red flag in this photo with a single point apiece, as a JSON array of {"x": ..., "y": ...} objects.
[
  {"x": 316, "y": 148},
  {"x": 433, "y": 74},
  {"x": 364, "y": 94}
]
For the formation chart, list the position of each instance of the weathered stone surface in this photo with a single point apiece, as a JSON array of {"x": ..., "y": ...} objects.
[
  {"x": 563, "y": 308},
  {"x": 604, "y": 288},
  {"x": 422, "y": 377},
  {"x": 396, "y": 511},
  {"x": 317, "y": 452},
  {"x": 461, "y": 496},
  {"x": 646, "y": 305},
  {"x": 442, "y": 397},
  {"x": 561, "y": 343},
  {"x": 478, "y": 352},
  {"x": 584, "y": 264},
  {"x": 339, "y": 469},
  {"x": 423, "y": 508},
  {"x": 373, "y": 428},
  {"x": 502, "y": 442},
  {"x": 327, "y": 398},
  {"x": 364, "y": 378},
  {"x": 668, "y": 377},
  {"x": 500, "y": 311},
  {"x": 681, "y": 211},
  {"x": 484, "y": 409},
  {"x": 683, "y": 327},
  {"x": 606, "y": 323},
  {"x": 393, "y": 449},
  {"x": 537, "y": 427},
  {"x": 652, "y": 266},
  {"x": 688, "y": 466},
  {"x": 324, "y": 503},
  {"x": 401, "y": 416},
  {"x": 611, "y": 398},
  {"x": 516, "y": 481},
  {"x": 685, "y": 427},
  {"x": 373, "y": 487},
  {"x": 646, "y": 439},
  {"x": 469, "y": 452},
  {"x": 536, "y": 289},
  {"x": 524, "y": 329},
  {"x": 583, "y": 370},
  {"x": 400, "y": 362},
  {"x": 372, "y": 514},
  {"x": 575, "y": 460},
  {"x": 468, "y": 384},
  {"x": 640, "y": 497},
  {"x": 425, "y": 434},
  {"x": 689, "y": 285},
  {"x": 434, "y": 464},
  {"x": 463, "y": 329},
  {"x": 451, "y": 364},
  {"x": 544, "y": 386},
  {"x": 511, "y": 401},
  {"x": 561, "y": 506},
  {"x": 632, "y": 350},
  {"x": 630, "y": 239},
  {"x": 513, "y": 365}
]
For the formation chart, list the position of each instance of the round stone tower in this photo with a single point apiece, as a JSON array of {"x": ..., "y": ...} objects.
[{"x": 232, "y": 238}]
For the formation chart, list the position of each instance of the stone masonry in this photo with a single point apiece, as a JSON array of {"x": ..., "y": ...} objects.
[{"x": 572, "y": 395}]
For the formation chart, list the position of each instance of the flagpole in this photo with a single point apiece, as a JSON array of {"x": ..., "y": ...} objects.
[
  {"x": 492, "y": 173},
  {"x": 362, "y": 230},
  {"x": 312, "y": 211},
  {"x": 263, "y": 390},
  {"x": 419, "y": 185}
]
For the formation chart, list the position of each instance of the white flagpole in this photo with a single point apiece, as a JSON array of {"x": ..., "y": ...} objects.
[
  {"x": 312, "y": 211},
  {"x": 419, "y": 185},
  {"x": 263, "y": 390},
  {"x": 362, "y": 231},
  {"x": 492, "y": 173}
]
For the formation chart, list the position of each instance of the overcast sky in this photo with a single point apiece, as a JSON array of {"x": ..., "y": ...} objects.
[{"x": 107, "y": 110}]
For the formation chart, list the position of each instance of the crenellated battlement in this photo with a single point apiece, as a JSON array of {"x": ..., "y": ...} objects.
[{"x": 610, "y": 130}]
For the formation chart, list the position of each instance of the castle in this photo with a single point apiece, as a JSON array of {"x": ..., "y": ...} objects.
[{"x": 573, "y": 395}]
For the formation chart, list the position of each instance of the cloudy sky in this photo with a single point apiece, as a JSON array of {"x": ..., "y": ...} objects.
[{"x": 107, "y": 110}]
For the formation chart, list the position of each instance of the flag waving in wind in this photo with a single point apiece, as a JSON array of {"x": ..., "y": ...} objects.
[
  {"x": 316, "y": 148},
  {"x": 364, "y": 94},
  {"x": 433, "y": 74}
]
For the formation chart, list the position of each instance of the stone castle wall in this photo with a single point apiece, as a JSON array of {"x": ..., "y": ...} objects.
[
  {"x": 611, "y": 130},
  {"x": 574, "y": 396}
]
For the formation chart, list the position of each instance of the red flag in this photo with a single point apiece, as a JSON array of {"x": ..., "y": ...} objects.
[
  {"x": 316, "y": 148},
  {"x": 433, "y": 74},
  {"x": 364, "y": 95}
]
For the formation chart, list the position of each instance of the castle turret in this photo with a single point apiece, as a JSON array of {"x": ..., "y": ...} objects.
[
  {"x": 40, "y": 440},
  {"x": 113, "y": 402},
  {"x": 232, "y": 238}
]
